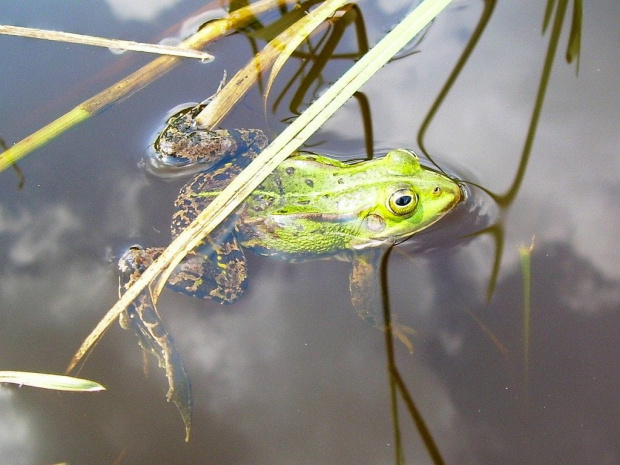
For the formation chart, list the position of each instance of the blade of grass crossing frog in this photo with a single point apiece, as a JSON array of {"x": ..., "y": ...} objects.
[
  {"x": 211, "y": 31},
  {"x": 300, "y": 130}
]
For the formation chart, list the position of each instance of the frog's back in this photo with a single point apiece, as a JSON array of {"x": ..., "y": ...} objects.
[
  {"x": 200, "y": 192},
  {"x": 238, "y": 146}
]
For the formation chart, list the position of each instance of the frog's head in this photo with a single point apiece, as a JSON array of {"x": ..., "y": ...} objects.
[{"x": 411, "y": 198}]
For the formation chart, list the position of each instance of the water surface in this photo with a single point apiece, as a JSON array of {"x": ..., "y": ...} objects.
[{"x": 290, "y": 374}]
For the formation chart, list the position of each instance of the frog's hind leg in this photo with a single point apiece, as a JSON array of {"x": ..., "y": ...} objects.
[
  {"x": 216, "y": 270},
  {"x": 141, "y": 315},
  {"x": 143, "y": 319}
]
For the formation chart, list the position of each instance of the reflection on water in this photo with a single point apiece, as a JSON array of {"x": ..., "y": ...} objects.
[
  {"x": 289, "y": 374},
  {"x": 574, "y": 308},
  {"x": 15, "y": 430},
  {"x": 145, "y": 10}
]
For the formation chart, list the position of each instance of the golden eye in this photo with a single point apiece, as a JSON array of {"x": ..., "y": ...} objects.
[{"x": 403, "y": 202}]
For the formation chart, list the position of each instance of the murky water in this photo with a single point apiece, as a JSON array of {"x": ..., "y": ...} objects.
[{"x": 290, "y": 374}]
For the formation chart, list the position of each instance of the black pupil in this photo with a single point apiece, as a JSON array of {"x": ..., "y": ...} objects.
[{"x": 403, "y": 200}]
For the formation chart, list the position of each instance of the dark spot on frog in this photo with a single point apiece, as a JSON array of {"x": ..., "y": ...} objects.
[
  {"x": 290, "y": 171},
  {"x": 262, "y": 202},
  {"x": 309, "y": 183},
  {"x": 340, "y": 181}
]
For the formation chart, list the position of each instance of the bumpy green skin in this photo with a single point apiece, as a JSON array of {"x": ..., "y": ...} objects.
[{"x": 312, "y": 206}]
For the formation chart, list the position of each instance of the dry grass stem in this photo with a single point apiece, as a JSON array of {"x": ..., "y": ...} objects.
[
  {"x": 49, "y": 381},
  {"x": 103, "y": 42}
]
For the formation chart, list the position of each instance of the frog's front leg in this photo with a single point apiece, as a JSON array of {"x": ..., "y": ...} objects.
[
  {"x": 367, "y": 294},
  {"x": 183, "y": 142}
]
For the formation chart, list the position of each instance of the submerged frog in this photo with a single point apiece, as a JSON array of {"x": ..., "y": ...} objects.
[{"x": 310, "y": 207}]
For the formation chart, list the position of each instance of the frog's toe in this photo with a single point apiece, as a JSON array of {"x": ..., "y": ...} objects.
[
  {"x": 134, "y": 262},
  {"x": 130, "y": 260},
  {"x": 400, "y": 331}
]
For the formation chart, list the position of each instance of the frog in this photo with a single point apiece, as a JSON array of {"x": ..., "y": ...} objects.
[{"x": 310, "y": 207}]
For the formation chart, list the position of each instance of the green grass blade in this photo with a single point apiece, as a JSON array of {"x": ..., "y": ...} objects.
[
  {"x": 525, "y": 254},
  {"x": 49, "y": 381}
]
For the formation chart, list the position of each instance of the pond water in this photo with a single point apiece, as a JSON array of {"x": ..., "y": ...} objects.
[{"x": 290, "y": 374}]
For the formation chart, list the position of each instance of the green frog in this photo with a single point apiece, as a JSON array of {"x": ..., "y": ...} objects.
[{"x": 310, "y": 207}]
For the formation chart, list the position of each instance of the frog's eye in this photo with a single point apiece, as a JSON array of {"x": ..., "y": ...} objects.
[{"x": 403, "y": 201}]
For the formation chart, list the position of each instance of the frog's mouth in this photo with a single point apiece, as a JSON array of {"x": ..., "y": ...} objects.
[{"x": 458, "y": 195}]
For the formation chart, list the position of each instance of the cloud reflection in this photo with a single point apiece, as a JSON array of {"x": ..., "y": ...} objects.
[
  {"x": 140, "y": 10},
  {"x": 38, "y": 237},
  {"x": 16, "y": 444}
]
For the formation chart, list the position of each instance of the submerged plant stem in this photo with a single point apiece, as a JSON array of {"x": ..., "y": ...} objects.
[{"x": 525, "y": 258}]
